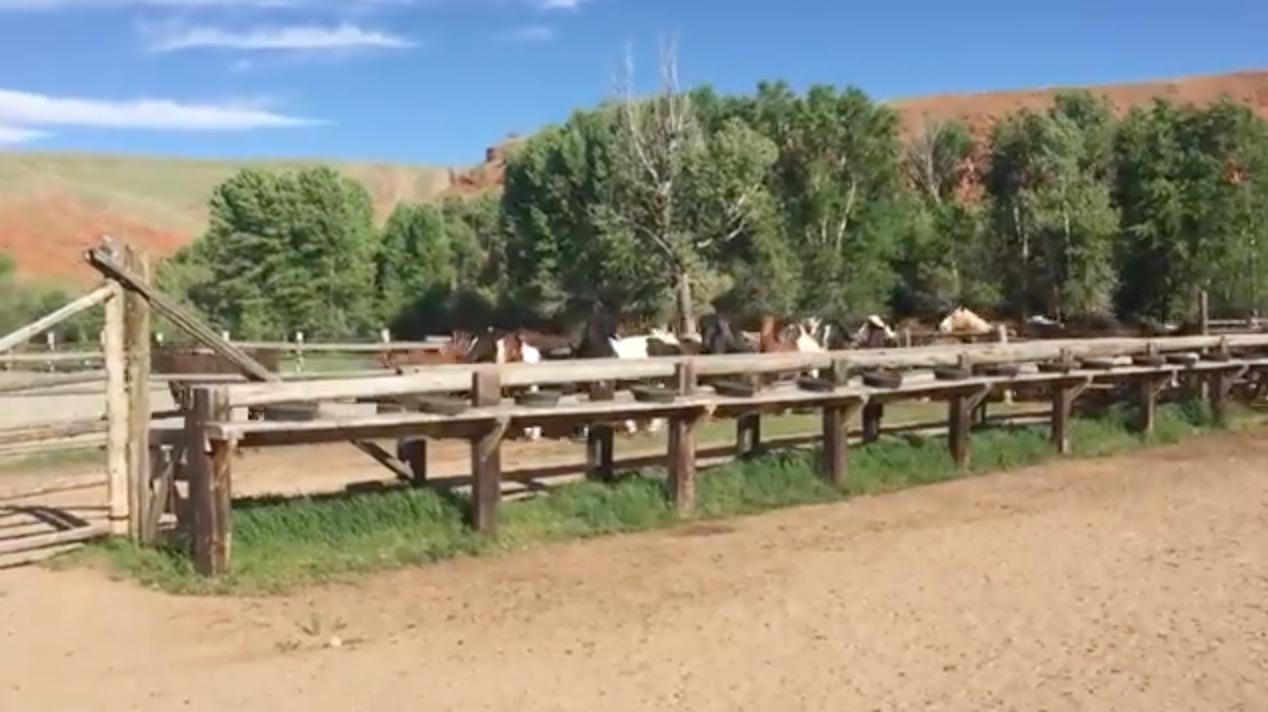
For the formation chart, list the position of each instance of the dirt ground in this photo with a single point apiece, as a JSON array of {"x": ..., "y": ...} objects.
[{"x": 1135, "y": 583}]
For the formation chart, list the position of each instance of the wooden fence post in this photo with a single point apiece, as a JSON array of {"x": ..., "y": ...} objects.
[
  {"x": 486, "y": 456},
  {"x": 959, "y": 422},
  {"x": 836, "y": 431},
  {"x": 117, "y": 420},
  {"x": 748, "y": 428},
  {"x": 600, "y": 440},
  {"x": 210, "y": 483},
  {"x": 136, "y": 315},
  {"x": 682, "y": 444}
]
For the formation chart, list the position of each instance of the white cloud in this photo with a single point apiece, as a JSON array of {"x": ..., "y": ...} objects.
[
  {"x": 196, "y": 4},
  {"x": 553, "y": 4},
  {"x": 295, "y": 37},
  {"x": 14, "y": 135},
  {"x": 37, "y": 110},
  {"x": 528, "y": 33}
]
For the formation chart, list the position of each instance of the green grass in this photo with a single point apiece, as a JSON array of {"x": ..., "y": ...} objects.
[{"x": 279, "y": 545}]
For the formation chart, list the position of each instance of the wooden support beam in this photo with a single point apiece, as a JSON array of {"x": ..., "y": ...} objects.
[
  {"x": 748, "y": 428},
  {"x": 1150, "y": 388},
  {"x": 682, "y": 444},
  {"x": 959, "y": 423},
  {"x": 1064, "y": 394},
  {"x": 1218, "y": 385},
  {"x": 836, "y": 442},
  {"x": 20, "y": 336},
  {"x": 210, "y": 485},
  {"x": 112, "y": 337},
  {"x": 104, "y": 260},
  {"x": 873, "y": 414},
  {"x": 601, "y": 438},
  {"x": 136, "y": 318},
  {"x": 162, "y": 460},
  {"x": 486, "y": 456},
  {"x": 413, "y": 452}
]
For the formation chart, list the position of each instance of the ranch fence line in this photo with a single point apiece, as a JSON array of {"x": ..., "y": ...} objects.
[
  {"x": 168, "y": 483},
  {"x": 964, "y": 376}
]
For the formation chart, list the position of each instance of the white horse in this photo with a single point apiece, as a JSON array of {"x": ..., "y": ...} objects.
[{"x": 528, "y": 354}]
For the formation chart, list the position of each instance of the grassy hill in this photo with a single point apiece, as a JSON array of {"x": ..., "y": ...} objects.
[{"x": 53, "y": 205}]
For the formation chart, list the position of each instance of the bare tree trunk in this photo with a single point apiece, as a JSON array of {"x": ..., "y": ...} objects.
[{"x": 685, "y": 303}]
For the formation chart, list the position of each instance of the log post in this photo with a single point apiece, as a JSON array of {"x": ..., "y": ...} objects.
[
  {"x": 959, "y": 420},
  {"x": 413, "y": 452},
  {"x": 210, "y": 486},
  {"x": 1150, "y": 387},
  {"x": 486, "y": 456},
  {"x": 836, "y": 431},
  {"x": 1063, "y": 396},
  {"x": 112, "y": 337},
  {"x": 136, "y": 312},
  {"x": 873, "y": 413},
  {"x": 600, "y": 440},
  {"x": 1218, "y": 384},
  {"x": 748, "y": 429},
  {"x": 682, "y": 444}
]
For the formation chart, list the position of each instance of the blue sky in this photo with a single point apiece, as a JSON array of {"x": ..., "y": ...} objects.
[{"x": 436, "y": 81}]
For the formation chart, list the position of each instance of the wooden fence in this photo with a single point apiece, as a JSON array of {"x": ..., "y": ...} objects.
[{"x": 964, "y": 376}]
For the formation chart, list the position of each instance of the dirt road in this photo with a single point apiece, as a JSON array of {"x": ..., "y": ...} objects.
[{"x": 1136, "y": 583}]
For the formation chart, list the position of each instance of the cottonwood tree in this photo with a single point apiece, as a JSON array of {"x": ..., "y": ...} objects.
[{"x": 684, "y": 192}]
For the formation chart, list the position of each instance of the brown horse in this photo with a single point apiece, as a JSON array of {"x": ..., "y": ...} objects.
[{"x": 453, "y": 352}]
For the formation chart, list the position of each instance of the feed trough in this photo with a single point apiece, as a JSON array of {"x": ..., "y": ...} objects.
[
  {"x": 538, "y": 399},
  {"x": 815, "y": 385},
  {"x": 1055, "y": 367},
  {"x": 883, "y": 379},
  {"x": 1151, "y": 360},
  {"x": 289, "y": 411},
  {"x": 951, "y": 373},
  {"x": 441, "y": 405},
  {"x": 653, "y": 394},
  {"x": 997, "y": 370},
  {"x": 1187, "y": 358},
  {"x": 1097, "y": 363},
  {"x": 734, "y": 389}
]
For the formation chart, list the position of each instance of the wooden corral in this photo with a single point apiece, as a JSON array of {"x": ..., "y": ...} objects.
[{"x": 963, "y": 376}]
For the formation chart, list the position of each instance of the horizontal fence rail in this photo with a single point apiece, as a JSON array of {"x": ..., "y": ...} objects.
[{"x": 458, "y": 378}]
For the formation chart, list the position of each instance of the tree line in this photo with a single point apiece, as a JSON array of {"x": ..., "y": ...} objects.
[{"x": 770, "y": 202}]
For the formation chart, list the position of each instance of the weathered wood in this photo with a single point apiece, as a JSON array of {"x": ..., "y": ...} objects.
[
  {"x": 1148, "y": 389},
  {"x": 682, "y": 443},
  {"x": 486, "y": 457},
  {"x": 112, "y": 336},
  {"x": 136, "y": 345},
  {"x": 52, "y": 431},
  {"x": 449, "y": 378},
  {"x": 748, "y": 427},
  {"x": 41, "y": 541},
  {"x": 1218, "y": 384},
  {"x": 873, "y": 414},
  {"x": 569, "y": 411},
  {"x": 601, "y": 438},
  {"x": 959, "y": 423},
  {"x": 210, "y": 488},
  {"x": 413, "y": 452},
  {"x": 159, "y": 493},
  {"x": 20, "y": 336},
  {"x": 105, "y": 262},
  {"x": 836, "y": 442},
  {"x": 1064, "y": 393},
  {"x": 53, "y": 380}
]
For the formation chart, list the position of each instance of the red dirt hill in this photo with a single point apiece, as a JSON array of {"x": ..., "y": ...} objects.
[{"x": 53, "y": 205}]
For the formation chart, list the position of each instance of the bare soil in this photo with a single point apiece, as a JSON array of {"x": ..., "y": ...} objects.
[{"x": 1134, "y": 583}]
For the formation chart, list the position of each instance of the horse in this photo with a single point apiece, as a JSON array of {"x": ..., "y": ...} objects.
[
  {"x": 874, "y": 334},
  {"x": 960, "y": 321},
  {"x": 600, "y": 338},
  {"x": 451, "y": 353},
  {"x": 495, "y": 346}
]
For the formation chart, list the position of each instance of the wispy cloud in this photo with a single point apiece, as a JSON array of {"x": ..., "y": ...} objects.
[
  {"x": 527, "y": 34},
  {"x": 33, "y": 112},
  {"x": 552, "y": 4},
  {"x": 287, "y": 38},
  {"x": 199, "y": 4},
  {"x": 13, "y": 135}
]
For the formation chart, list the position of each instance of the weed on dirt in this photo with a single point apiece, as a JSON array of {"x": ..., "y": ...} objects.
[{"x": 280, "y": 544}]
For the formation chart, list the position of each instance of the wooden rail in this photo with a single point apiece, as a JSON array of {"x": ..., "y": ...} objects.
[{"x": 489, "y": 417}]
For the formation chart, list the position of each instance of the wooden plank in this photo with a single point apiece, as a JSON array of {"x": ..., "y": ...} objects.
[
  {"x": 116, "y": 414},
  {"x": 682, "y": 443},
  {"x": 209, "y": 485},
  {"x": 451, "y": 378},
  {"x": 394, "y": 425},
  {"x": 41, "y": 541},
  {"x": 20, "y": 336},
  {"x": 601, "y": 437},
  {"x": 486, "y": 457},
  {"x": 104, "y": 261},
  {"x": 136, "y": 345}
]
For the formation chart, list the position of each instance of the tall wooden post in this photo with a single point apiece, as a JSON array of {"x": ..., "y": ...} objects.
[
  {"x": 600, "y": 443},
  {"x": 486, "y": 456},
  {"x": 682, "y": 444},
  {"x": 119, "y": 493},
  {"x": 210, "y": 483},
  {"x": 136, "y": 316}
]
